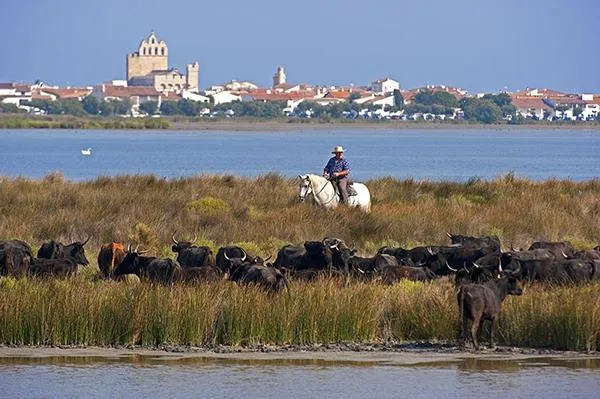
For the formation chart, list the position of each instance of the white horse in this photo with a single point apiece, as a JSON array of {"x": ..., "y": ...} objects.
[{"x": 325, "y": 194}]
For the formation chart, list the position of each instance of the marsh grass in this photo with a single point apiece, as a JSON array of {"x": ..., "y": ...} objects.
[
  {"x": 262, "y": 214},
  {"x": 84, "y": 312}
]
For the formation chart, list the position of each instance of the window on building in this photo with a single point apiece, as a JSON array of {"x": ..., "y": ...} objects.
[
  {"x": 162, "y": 51},
  {"x": 156, "y": 51},
  {"x": 144, "y": 51}
]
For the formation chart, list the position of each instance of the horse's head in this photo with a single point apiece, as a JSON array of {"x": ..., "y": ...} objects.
[{"x": 305, "y": 187}]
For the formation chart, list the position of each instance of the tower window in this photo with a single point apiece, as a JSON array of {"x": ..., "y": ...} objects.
[
  {"x": 155, "y": 50},
  {"x": 162, "y": 51}
]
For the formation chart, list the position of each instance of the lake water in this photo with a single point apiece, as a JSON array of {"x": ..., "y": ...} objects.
[
  {"x": 135, "y": 376},
  {"x": 453, "y": 154}
]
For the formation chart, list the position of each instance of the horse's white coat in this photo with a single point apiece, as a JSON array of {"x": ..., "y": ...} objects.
[{"x": 324, "y": 193}]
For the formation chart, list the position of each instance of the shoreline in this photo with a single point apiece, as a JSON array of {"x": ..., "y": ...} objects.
[
  {"x": 260, "y": 125},
  {"x": 334, "y": 354}
]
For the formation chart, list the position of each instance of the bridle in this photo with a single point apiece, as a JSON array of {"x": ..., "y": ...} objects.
[{"x": 303, "y": 197}]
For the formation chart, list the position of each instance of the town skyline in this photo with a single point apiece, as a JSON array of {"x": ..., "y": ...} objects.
[{"x": 483, "y": 58}]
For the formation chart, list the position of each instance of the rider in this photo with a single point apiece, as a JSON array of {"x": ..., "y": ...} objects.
[{"x": 337, "y": 170}]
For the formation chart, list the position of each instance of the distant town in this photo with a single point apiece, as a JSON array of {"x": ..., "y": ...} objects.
[{"x": 152, "y": 88}]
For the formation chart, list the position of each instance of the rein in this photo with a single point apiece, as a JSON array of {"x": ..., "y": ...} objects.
[{"x": 323, "y": 188}]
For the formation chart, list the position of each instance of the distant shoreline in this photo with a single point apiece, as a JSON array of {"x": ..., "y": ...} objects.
[{"x": 261, "y": 125}]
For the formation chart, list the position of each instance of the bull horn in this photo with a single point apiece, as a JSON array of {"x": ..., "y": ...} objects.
[
  {"x": 268, "y": 258},
  {"x": 245, "y": 254},
  {"x": 500, "y": 265},
  {"x": 86, "y": 241},
  {"x": 564, "y": 254},
  {"x": 360, "y": 270},
  {"x": 195, "y": 237},
  {"x": 225, "y": 255},
  {"x": 449, "y": 235},
  {"x": 129, "y": 248},
  {"x": 136, "y": 248},
  {"x": 430, "y": 251},
  {"x": 465, "y": 268},
  {"x": 476, "y": 265},
  {"x": 173, "y": 238},
  {"x": 448, "y": 266}
]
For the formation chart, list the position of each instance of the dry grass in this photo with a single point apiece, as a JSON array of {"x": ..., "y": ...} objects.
[
  {"x": 264, "y": 212},
  {"x": 82, "y": 312},
  {"x": 262, "y": 215}
]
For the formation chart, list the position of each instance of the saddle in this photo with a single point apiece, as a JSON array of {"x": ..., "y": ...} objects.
[{"x": 351, "y": 191}]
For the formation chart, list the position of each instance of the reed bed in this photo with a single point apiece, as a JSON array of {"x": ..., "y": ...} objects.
[
  {"x": 84, "y": 312},
  {"x": 262, "y": 214}
]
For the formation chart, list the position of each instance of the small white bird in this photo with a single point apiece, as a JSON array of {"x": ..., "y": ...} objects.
[{"x": 86, "y": 151}]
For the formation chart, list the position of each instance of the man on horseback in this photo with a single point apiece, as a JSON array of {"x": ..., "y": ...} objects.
[{"x": 337, "y": 171}]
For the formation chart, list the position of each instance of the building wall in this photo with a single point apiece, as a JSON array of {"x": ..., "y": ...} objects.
[
  {"x": 139, "y": 65},
  {"x": 193, "y": 77}
]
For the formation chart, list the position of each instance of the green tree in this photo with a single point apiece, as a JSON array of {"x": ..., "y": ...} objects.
[
  {"x": 169, "y": 108},
  {"x": 90, "y": 105},
  {"x": 353, "y": 96},
  {"x": 122, "y": 107},
  {"x": 577, "y": 110},
  {"x": 149, "y": 107},
  {"x": 398, "y": 99},
  {"x": 485, "y": 111}
]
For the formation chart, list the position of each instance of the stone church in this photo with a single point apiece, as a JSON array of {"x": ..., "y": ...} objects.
[{"x": 149, "y": 66}]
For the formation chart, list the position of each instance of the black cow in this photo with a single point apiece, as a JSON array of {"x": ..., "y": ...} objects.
[
  {"x": 340, "y": 253},
  {"x": 478, "y": 302},
  {"x": 312, "y": 255},
  {"x": 558, "y": 271},
  {"x": 393, "y": 274},
  {"x": 561, "y": 250},
  {"x": 15, "y": 258},
  {"x": 55, "y": 250},
  {"x": 368, "y": 267},
  {"x": 487, "y": 244},
  {"x": 269, "y": 278},
  {"x": 190, "y": 255},
  {"x": 228, "y": 257},
  {"x": 399, "y": 253},
  {"x": 62, "y": 267},
  {"x": 149, "y": 267}
]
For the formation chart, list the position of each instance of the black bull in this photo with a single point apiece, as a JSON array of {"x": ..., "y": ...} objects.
[
  {"x": 15, "y": 258},
  {"x": 56, "y": 250}
]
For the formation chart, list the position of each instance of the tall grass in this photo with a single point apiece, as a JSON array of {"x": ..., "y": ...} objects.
[
  {"x": 82, "y": 312},
  {"x": 263, "y": 214}
]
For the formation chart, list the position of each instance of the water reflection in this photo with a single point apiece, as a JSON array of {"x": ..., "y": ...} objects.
[{"x": 180, "y": 376}]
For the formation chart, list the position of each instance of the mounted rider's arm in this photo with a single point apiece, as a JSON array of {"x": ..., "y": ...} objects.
[{"x": 344, "y": 172}]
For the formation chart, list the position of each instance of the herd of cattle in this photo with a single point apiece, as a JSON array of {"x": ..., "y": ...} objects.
[{"x": 483, "y": 273}]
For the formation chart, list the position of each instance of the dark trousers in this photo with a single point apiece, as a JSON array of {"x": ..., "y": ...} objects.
[{"x": 342, "y": 184}]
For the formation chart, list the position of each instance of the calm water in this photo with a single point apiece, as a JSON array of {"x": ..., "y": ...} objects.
[
  {"x": 421, "y": 154},
  {"x": 197, "y": 378}
]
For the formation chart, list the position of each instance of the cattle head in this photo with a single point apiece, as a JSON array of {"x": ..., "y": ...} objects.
[
  {"x": 179, "y": 246},
  {"x": 76, "y": 252}
]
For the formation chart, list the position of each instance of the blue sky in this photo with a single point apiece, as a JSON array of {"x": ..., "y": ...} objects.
[{"x": 478, "y": 45}]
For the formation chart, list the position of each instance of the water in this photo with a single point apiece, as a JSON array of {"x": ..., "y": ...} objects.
[
  {"x": 135, "y": 376},
  {"x": 453, "y": 154}
]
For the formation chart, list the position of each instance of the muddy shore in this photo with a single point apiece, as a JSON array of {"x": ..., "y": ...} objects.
[{"x": 361, "y": 354}]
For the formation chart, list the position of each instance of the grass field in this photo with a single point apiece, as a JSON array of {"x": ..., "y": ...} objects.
[{"x": 263, "y": 214}]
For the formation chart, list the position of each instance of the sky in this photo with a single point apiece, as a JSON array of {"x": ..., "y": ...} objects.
[{"x": 479, "y": 45}]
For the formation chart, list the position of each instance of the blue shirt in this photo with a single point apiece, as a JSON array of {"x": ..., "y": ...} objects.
[{"x": 335, "y": 165}]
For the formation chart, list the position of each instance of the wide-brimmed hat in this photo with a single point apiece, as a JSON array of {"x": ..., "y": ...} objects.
[{"x": 337, "y": 148}]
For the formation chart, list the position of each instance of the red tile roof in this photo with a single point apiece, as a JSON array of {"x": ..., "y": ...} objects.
[
  {"x": 66, "y": 93},
  {"x": 529, "y": 102},
  {"x": 129, "y": 91}
]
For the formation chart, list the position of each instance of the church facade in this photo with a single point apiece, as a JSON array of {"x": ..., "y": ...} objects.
[{"x": 149, "y": 66}]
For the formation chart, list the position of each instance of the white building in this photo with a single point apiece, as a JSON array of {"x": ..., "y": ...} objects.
[
  {"x": 224, "y": 97},
  {"x": 385, "y": 86}
]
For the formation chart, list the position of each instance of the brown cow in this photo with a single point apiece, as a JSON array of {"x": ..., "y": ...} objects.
[{"x": 110, "y": 256}]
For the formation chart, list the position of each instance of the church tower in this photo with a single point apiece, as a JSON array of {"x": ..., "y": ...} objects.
[
  {"x": 152, "y": 55},
  {"x": 279, "y": 77},
  {"x": 192, "y": 73}
]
